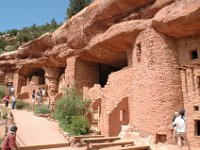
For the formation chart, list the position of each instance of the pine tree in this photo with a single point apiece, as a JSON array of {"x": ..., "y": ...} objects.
[
  {"x": 75, "y": 6},
  {"x": 53, "y": 23}
]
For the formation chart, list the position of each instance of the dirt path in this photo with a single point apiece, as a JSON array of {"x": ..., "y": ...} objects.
[{"x": 34, "y": 130}]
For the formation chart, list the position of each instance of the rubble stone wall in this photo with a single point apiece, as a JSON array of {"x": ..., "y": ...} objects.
[{"x": 156, "y": 92}]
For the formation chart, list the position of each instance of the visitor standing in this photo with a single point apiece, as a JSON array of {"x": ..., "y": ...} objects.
[
  {"x": 39, "y": 95},
  {"x": 9, "y": 142},
  {"x": 33, "y": 99},
  {"x": 180, "y": 124},
  {"x": 176, "y": 114},
  {"x": 14, "y": 100},
  {"x": 12, "y": 90},
  {"x": 43, "y": 92}
]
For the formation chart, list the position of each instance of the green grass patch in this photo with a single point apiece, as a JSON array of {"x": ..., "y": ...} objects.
[
  {"x": 22, "y": 105},
  {"x": 42, "y": 109}
]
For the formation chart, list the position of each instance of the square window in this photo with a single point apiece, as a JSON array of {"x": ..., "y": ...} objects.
[
  {"x": 196, "y": 108},
  {"x": 194, "y": 54},
  {"x": 197, "y": 127}
]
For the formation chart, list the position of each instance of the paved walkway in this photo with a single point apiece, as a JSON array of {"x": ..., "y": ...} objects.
[{"x": 34, "y": 130}]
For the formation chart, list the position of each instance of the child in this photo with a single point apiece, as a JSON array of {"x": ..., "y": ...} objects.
[{"x": 7, "y": 100}]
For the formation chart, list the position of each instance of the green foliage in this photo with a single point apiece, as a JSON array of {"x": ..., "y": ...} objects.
[
  {"x": 13, "y": 32},
  {"x": 12, "y": 48},
  {"x": 3, "y": 44},
  {"x": 75, "y": 6},
  {"x": 22, "y": 105},
  {"x": 1, "y": 50},
  {"x": 79, "y": 125},
  {"x": 2, "y": 91},
  {"x": 42, "y": 109},
  {"x": 19, "y": 37},
  {"x": 68, "y": 107}
]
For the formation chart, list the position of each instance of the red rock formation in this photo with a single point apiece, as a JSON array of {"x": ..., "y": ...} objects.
[{"x": 181, "y": 19}]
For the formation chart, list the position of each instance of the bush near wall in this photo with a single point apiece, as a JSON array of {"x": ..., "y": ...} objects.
[
  {"x": 22, "y": 105},
  {"x": 70, "y": 112},
  {"x": 42, "y": 109},
  {"x": 79, "y": 126}
]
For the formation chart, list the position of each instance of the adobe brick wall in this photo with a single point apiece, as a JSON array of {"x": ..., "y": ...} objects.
[
  {"x": 29, "y": 89},
  {"x": 156, "y": 90},
  {"x": 118, "y": 87},
  {"x": 86, "y": 73},
  {"x": 94, "y": 92},
  {"x": 119, "y": 116},
  {"x": 190, "y": 73}
]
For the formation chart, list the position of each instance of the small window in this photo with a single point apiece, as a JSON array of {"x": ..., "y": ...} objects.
[
  {"x": 196, "y": 108},
  {"x": 198, "y": 82},
  {"x": 138, "y": 52},
  {"x": 197, "y": 127},
  {"x": 194, "y": 54},
  {"x": 122, "y": 115},
  {"x": 161, "y": 138}
]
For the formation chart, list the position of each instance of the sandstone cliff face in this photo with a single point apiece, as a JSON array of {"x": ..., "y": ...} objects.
[
  {"x": 107, "y": 28},
  {"x": 180, "y": 19}
]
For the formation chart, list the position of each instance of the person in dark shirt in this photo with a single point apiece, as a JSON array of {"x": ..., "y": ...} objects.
[
  {"x": 33, "y": 99},
  {"x": 9, "y": 142},
  {"x": 39, "y": 95},
  {"x": 7, "y": 100}
]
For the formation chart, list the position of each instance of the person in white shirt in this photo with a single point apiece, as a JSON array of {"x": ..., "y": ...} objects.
[
  {"x": 180, "y": 124},
  {"x": 43, "y": 92}
]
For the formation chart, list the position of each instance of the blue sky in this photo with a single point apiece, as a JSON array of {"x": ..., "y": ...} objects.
[{"x": 16, "y": 14}]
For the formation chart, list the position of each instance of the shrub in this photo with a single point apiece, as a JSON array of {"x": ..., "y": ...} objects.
[
  {"x": 70, "y": 106},
  {"x": 2, "y": 91},
  {"x": 42, "y": 109},
  {"x": 79, "y": 125},
  {"x": 22, "y": 105}
]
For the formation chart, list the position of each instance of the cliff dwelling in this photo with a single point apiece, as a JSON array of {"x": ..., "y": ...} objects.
[{"x": 138, "y": 63}]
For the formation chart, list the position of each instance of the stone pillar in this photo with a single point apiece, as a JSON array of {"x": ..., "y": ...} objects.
[
  {"x": 156, "y": 91},
  {"x": 70, "y": 72},
  {"x": 51, "y": 80},
  {"x": 19, "y": 80}
]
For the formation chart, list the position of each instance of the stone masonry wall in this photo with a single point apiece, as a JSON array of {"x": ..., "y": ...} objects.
[
  {"x": 118, "y": 87},
  {"x": 118, "y": 117},
  {"x": 190, "y": 75},
  {"x": 156, "y": 92},
  {"x": 86, "y": 74}
]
